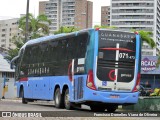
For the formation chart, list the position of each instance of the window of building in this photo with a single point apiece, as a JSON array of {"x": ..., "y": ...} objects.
[
  {"x": 3, "y": 45},
  {"x": 3, "y": 30}
]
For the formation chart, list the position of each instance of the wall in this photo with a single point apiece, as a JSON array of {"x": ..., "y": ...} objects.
[{"x": 12, "y": 90}]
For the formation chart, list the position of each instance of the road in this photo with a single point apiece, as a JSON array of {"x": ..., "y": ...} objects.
[{"x": 47, "y": 110}]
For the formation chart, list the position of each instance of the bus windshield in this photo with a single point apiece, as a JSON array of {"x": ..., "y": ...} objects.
[{"x": 116, "y": 56}]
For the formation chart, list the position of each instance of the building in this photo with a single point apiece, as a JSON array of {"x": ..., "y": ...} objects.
[
  {"x": 76, "y": 13},
  {"x": 89, "y": 14},
  {"x": 6, "y": 72},
  {"x": 42, "y": 7},
  {"x": 8, "y": 29},
  {"x": 138, "y": 15},
  {"x": 105, "y": 16},
  {"x": 5, "y": 69}
]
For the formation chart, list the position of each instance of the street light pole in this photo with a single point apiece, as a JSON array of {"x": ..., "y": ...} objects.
[{"x": 27, "y": 12}]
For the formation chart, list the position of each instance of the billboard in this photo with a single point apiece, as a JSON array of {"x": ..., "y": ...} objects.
[{"x": 148, "y": 65}]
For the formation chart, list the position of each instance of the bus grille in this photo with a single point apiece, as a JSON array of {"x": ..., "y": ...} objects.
[{"x": 78, "y": 88}]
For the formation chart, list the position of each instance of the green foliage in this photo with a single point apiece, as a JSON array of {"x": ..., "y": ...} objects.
[
  {"x": 105, "y": 27},
  {"x": 66, "y": 30},
  {"x": 34, "y": 24},
  {"x": 19, "y": 42},
  {"x": 146, "y": 37},
  {"x": 158, "y": 62}
]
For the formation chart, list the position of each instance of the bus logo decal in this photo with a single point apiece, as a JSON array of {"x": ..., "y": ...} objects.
[{"x": 112, "y": 75}]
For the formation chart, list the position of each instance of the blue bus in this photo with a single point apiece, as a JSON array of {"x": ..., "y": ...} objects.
[{"x": 96, "y": 67}]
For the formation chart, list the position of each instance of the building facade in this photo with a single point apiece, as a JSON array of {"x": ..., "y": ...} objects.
[
  {"x": 8, "y": 29},
  {"x": 105, "y": 16},
  {"x": 42, "y": 7},
  {"x": 76, "y": 13},
  {"x": 138, "y": 15}
]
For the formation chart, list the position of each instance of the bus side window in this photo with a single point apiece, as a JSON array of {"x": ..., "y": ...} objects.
[
  {"x": 82, "y": 45},
  {"x": 63, "y": 49},
  {"x": 59, "y": 50},
  {"x": 71, "y": 48},
  {"x": 43, "y": 50},
  {"x": 53, "y": 52}
]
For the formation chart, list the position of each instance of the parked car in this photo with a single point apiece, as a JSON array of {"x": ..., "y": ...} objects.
[{"x": 145, "y": 90}]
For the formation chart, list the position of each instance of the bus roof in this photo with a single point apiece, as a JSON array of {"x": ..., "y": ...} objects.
[{"x": 47, "y": 38}]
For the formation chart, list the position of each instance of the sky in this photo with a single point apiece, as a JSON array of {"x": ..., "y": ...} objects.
[{"x": 13, "y": 8}]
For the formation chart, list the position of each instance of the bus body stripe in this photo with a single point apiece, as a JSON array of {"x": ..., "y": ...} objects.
[
  {"x": 23, "y": 79},
  {"x": 120, "y": 49}
]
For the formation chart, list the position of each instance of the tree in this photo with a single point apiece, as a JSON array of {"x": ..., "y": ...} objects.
[
  {"x": 146, "y": 37},
  {"x": 19, "y": 42},
  {"x": 66, "y": 30},
  {"x": 34, "y": 24}
]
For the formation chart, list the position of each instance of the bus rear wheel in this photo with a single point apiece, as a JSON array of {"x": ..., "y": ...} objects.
[
  {"x": 58, "y": 99},
  {"x": 68, "y": 105},
  {"x": 24, "y": 100}
]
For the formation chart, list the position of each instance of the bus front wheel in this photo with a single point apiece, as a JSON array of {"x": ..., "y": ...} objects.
[
  {"x": 24, "y": 100},
  {"x": 58, "y": 99}
]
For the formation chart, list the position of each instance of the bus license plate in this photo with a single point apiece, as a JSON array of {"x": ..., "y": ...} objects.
[{"x": 114, "y": 96}]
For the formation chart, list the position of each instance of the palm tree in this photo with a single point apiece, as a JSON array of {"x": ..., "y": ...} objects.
[
  {"x": 34, "y": 24},
  {"x": 146, "y": 37},
  {"x": 66, "y": 30}
]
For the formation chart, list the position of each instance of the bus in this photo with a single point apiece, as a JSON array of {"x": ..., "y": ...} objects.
[{"x": 95, "y": 67}]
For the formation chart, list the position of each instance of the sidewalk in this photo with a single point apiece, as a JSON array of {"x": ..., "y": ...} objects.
[{"x": 12, "y": 99}]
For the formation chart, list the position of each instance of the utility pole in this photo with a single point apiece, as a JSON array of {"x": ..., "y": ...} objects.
[{"x": 27, "y": 12}]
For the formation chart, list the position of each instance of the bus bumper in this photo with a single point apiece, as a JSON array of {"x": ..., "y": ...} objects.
[{"x": 111, "y": 97}]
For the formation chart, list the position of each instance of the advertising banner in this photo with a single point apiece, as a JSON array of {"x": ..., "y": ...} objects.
[{"x": 148, "y": 65}]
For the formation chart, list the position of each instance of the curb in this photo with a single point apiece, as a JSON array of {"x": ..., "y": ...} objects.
[{"x": 13, "y": 100}]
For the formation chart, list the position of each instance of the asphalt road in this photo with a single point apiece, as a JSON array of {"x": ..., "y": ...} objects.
[{"x": 47, "y": 110}]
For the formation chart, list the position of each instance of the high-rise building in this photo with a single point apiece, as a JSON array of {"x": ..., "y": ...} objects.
[
  {"x": 8, "y": 29},
  {"x": 105, "y": 16},
  {"x": 138, "y": 15},
  {"x": 76, "y": 13},
  {"x": 42, "y": 7}
]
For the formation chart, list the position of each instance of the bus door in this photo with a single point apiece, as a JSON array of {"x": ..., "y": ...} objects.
[{"x": 116, "y": 61}]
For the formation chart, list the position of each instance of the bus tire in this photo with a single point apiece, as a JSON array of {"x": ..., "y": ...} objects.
[
  {"x": 58, "y": 99},
  {"x": 24, "y": 100},
  {"x": 96, "y": 108},
  {"x": 68, "y": 105},
  {"x": 112, "y": 108}
]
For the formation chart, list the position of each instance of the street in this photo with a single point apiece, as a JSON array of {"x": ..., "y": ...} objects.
[{"x": 48, "y": 110}]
